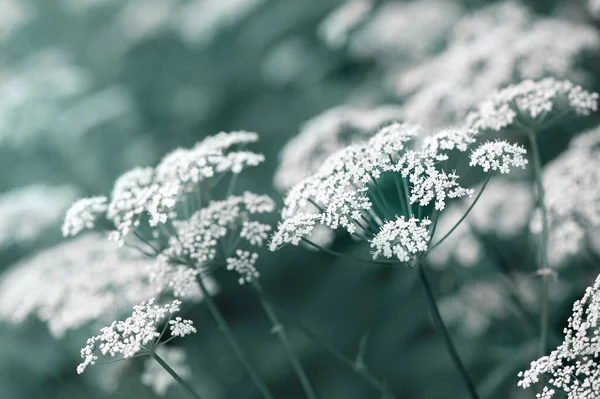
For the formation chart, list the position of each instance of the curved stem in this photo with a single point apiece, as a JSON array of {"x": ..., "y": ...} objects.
[
  {"x": 279, "y": 329},
  {"x": 175, "y": 376},
  {"x": 224, "y": 327},
  {"x": 439, "y": 323},
  {"x": 487, "y": 179},
  {"x": 545, "y": 268}
]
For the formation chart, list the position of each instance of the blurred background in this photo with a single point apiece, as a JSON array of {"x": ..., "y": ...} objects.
[{"x": 92, "y": 88}]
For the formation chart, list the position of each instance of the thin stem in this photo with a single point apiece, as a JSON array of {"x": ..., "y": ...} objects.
[
  {"x": 545, "y": 268},
  {"x": 175, "y": 376},
  {"x": 487, "y": 179},
  {"x": 439, "y": 323},
  {"x": 341, "y": 255},
  {"x": 279, "y": 329},
  {"x": 336, "y": 353},
  {"x": 231, "y": 185},
  {"x": 224, "y": 327}
]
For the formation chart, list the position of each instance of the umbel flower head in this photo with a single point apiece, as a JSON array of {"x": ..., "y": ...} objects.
[
  {"x": 532, "y": 105},
  {"x": 494, "y": 46},
  {"x": 137, "y": 334},
  {"x": 377, "y": 190},
  {"x": 169, "y": 212},
  {"x": 573, "y": 367}
]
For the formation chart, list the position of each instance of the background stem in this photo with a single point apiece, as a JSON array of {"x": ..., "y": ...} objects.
[
  {"x": 280, "y": 330},
  {"x": 544, "y": 268},
  {"x": 224, "y": 327}
]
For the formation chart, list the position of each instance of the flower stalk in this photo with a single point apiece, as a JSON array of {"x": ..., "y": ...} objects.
[
  {"x": 279, "y": 329},
  {"x": 175, "y": 376},
  {"x": 439, "y": 323}
]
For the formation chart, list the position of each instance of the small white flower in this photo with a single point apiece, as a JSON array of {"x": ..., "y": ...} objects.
[
  {"x": 243, "y": 263},
  {"x": 403, "y": 239},
  {"x": 138, "y": 333},
  {"x": 499, "y": 155},
  {"x": 83, "y": 215}
]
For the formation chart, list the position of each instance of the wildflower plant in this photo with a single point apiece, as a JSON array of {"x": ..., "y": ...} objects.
[
  {"x": 528, "y": 108},
  {"x": 389, "y": 192},
  {"x": 572, "y": 369},
  {"x": 170, "y": 214}
]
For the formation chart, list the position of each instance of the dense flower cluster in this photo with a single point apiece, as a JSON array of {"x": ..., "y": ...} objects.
[
  {"x": 530, "y": 104},
  {"x": 83, "y": 214},
  {"x": 155, "y": 192},
  {"x": 572, "y": 197},
  {"x": 138, "y": 333},
  {"x": 499, "y": 155},
  {"x": 493, "y": 47},
  {"x": 573, "y": 367},
  {"x": 401, "y": 238},
  {"x": 75, "y": 283},
  {"x": 346, "y": 192},
  {"x": 326, "y": 133}
]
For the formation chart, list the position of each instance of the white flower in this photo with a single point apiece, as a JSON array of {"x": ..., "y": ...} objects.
[
  {"x": 138, "y": 333},
  {"x": 573, "y": 366},
  {"x": 492, "y": 47},
  {"x": 243, "y": 263},
  {"x": 325, "y": 134},
  {"x": 499, "y": 155},
  {"x": 83, "y": 215},
  {"x": 28, "y": 212},
  {"x": 528, "y": 105},
  {"x": 255, "y": 232},
  {"x": 157, "y": 377},
  {"x": 401, "y": 238}
]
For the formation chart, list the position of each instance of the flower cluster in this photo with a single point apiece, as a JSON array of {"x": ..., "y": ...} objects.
[
  {"x": 83, "y": 214},
  {"x": 137, "y": 333},
  {"x": 499, "y": 155},
  {"x": 528, "y": 105},
  {"x": 401, "y": 238},
  {"x": 493, "y": 47},
  {"x": 573, "y": 367},
  {"x": 348, "y": 190},
  {"x": 326, "y": 133},
  {"x": 155, "y": 192}
]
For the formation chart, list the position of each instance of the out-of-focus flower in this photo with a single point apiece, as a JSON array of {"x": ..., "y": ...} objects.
[
  {"x": 572, "y": 367},
  {"x": 495, "y": 46},
  {"x": 531, "y": 105},
  {"x": 477, "y": 305},
  {"x": 139, "y": 333},
  {"x": 571, "y": 186},
  {"x": 29, "y": 211},
  {"x": 157, "y": 378},
  {"x": 75, "y": 283},
  {"x": 15, "y": 14},
  {"x": 326, "y": 133}
]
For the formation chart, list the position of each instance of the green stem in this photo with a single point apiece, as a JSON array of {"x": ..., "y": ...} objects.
[
  {"x": 487, "y": 179},
  {"x": 336, "y": 353},
  {"x": 279, "y": 329},
  {"x": 545, "y": 268},
  {"x": 175, "y": 376},
  {"x": 224, "y": 327},
  {"x": 439, "y": 323}
]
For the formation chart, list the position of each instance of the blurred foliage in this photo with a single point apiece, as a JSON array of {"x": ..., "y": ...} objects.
[{"x": 90, "y": 88}]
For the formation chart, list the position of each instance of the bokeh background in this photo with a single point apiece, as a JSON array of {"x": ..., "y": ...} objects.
[{"x": 91, "y": 88}]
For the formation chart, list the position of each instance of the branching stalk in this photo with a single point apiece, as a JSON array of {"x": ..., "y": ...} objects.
[
  {"x": 224, "y": 327},
  {"x": 279, "y": 329}
]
